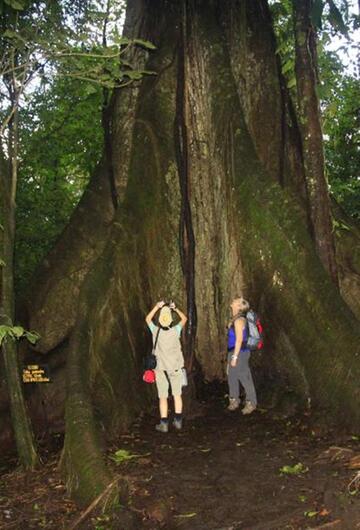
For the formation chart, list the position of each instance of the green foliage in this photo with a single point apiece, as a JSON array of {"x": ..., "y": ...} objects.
[
  {"x": 45, "y": 40},
  {"x": 17, "y": 332},
  {"x": 297, "y": 469},
  {"x": 336, "y": 18},
  {"x": 76, "y": 55},
  {"x": 122, "y": 455},
  {"x": 311, "y": 513},
  {"x": 334, "y": 15},
  {"x": 61, "y": 143},
  {"x": 15, "y": 4},
  {"x": 283, "y": 26},
  {"x": 340, "y": 100},
  {"x": 338, "y": 92},
  {"x": 317, "y": 13}
]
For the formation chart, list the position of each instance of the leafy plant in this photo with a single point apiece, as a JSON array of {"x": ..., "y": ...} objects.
[
  {"x": 297, "y": 469},
  {"x": 122, "y": 455},
  {"x": 17, "y": 332},
  {"x": 310, "y": 513}
]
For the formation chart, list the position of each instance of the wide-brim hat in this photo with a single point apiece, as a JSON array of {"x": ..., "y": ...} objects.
[{"x": 165, "y": 316}]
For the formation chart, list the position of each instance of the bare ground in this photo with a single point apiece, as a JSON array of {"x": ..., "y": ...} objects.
[{"x": 221, "y": 472}]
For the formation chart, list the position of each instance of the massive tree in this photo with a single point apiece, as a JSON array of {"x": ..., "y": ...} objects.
[{"x": 207, "y": 160}]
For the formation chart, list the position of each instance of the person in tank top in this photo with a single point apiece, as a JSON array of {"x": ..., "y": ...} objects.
[{"x": 238, "y": 369}]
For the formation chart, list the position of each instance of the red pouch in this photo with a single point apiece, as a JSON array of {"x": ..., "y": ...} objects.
[{"x": 149, "y": 376}]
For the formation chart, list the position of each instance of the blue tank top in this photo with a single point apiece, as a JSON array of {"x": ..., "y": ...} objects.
[{"x": 231, "y": 339}]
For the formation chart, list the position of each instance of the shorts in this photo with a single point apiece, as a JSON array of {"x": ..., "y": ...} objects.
[{"x": 164, "y": 380}]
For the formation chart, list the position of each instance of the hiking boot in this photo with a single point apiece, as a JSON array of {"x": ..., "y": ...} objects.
[
  {"x": 177, "y": 424},
  {"x": 162, "y": 427},
  {"x": 233, "y": 404},
  {"x": 249, "y": 408}
]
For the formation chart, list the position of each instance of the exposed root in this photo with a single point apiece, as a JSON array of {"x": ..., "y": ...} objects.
[
  {"x": 104, "y": 496},
  {"x": 354, "y": 484}
]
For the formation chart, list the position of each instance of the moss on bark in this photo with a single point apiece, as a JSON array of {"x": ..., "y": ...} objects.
[
  {"x": 250, "y": 235},
  {"x": 139, "y": 264}
]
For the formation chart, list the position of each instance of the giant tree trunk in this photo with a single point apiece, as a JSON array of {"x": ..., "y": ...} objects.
[
  {"x": 213, "y": 204},
  {"x": 194, "y": 166}
]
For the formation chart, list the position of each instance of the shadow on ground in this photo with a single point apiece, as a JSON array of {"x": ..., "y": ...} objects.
[{"x": 221, "y": 472}]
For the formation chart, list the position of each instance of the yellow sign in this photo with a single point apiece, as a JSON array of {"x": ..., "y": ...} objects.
[{"x": 36, "y": 373}]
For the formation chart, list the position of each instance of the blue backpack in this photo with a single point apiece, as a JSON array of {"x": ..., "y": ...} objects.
[{"x": 252, "y": 336}]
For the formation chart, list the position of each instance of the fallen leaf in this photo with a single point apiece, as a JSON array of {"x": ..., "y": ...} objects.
[
  {"x": 122, "y": 455},
  {"x": 297, "y": 469},
  {"x": 311, "y": 514},
  {"x": 355, "y": 462}
]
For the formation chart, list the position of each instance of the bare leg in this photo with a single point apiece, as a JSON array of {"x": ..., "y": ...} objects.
[
  {"x": 178, "y": 403},
  {"x": 163, "y": 407}
]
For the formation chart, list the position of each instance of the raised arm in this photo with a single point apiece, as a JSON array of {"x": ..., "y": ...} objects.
[
  {"x": 150, "y": 316},
  {"x": 183, "y": 317}
]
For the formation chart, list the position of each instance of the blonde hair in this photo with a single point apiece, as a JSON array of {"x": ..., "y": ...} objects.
[{"x": 244, "y": 307}]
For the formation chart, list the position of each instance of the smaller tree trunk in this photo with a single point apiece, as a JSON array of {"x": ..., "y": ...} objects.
[
  {"x": 20, "y": 419},
  {"x": 82, "y": 454},
  {"x": 311, "y": 133}
]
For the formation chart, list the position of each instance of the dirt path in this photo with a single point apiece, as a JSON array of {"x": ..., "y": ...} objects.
[{"x": 221, "y": 472}]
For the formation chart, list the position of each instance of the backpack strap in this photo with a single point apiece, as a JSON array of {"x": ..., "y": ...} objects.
[
  {"x": 246, "y": 327},
  {"x": 156, "y": 339}
]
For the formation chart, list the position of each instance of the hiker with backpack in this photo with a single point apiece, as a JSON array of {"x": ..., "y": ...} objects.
[
  {"x": 239, "y": 351},
  {"x": 169, "y": 361}
]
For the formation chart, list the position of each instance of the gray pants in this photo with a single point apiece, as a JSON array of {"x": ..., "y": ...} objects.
[{"x": 241, "y": 373}]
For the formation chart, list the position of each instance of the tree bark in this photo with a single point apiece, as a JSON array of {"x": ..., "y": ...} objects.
[
  {"x": 57, "y": 282},
  {"x": 311, "y": 133},
  {"x": 347, "y": 238},
  {"x": 187, "y": 239},
  {"x": 106, "y": 320},
  {"x": 20, "y": 419}
]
